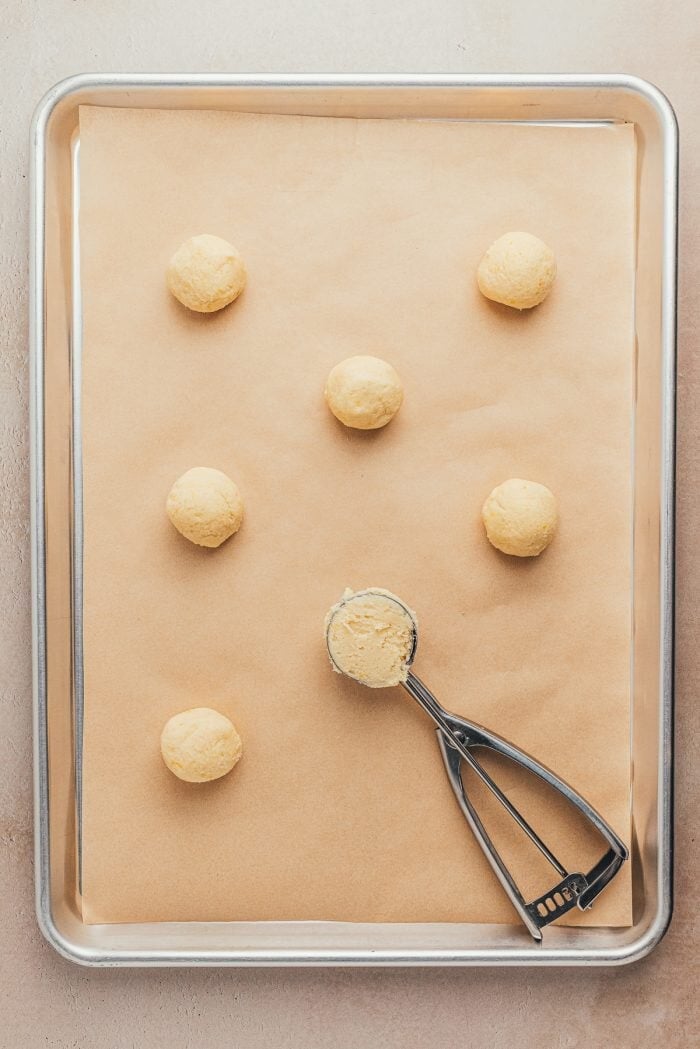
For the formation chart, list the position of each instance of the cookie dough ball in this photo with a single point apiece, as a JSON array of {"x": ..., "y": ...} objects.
[
  {"x": 200, "y": 744},
  {"x": 517, "y": 270},
  {"x": 364, "y": 392},
  {"x": 371, "y": 636},
  {"x": 205, "y": 506},
  {"x": 520, "y": 517},
  {"x": 206, "y": 273}
]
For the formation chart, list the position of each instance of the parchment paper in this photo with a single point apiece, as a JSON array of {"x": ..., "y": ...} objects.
[{"x": 360, "y": 236}]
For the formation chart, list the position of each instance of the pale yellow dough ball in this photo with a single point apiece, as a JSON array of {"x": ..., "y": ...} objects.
[
  {"x": 205, "y": 506},
  {"x": 364, "y": 392},
  {"x": 206, "y": 273},
  {"x": 518, "y": 270},
  {"x": 200, "y": 744},
  {"x": 520, "y": 517}
]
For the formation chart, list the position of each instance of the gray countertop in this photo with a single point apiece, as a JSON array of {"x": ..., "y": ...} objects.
[{"x": 45, "y": 1001}]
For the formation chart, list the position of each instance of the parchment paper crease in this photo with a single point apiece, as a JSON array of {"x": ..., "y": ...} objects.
[{"x": 360, "y": 236}]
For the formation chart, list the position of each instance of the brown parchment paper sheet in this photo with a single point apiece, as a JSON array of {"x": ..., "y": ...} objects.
[{"x": 360, "y": 236}]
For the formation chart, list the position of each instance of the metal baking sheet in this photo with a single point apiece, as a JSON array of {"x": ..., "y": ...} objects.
[{"x": 56, "y": 517}]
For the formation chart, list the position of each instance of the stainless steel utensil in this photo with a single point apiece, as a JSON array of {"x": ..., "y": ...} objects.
[{"x": 457, "y": 739}]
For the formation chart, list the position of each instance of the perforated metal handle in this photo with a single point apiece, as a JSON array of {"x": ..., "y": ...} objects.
[{"x": 456, "y": 736}]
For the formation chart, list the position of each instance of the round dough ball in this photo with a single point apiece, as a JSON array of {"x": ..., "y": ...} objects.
[
  {"x": 200, "y": 744},
  {"x": 520, "y": 517},
  {"x": 364, "y": 392},
  {"x": 517, "y": 270},
  {"x": 206, "y": 273},
  {"x": 205, "y": 506}
]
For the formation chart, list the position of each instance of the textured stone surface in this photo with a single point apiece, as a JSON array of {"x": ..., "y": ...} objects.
[{"x": 45, "y": 1001}]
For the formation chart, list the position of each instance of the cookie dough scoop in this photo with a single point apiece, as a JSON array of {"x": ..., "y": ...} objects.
[{"x": 372, "y": 637}]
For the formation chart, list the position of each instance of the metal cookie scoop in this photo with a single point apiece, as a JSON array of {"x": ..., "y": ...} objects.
[{"x": 457, "y": 738}]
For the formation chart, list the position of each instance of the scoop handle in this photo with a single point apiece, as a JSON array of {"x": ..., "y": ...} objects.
[
  {"x": 456, "y": 736},
  {"x": 459, "y": 739}
]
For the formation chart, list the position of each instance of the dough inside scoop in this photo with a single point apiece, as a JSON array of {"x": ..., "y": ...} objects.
[{"x": 371, "y": 637}]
